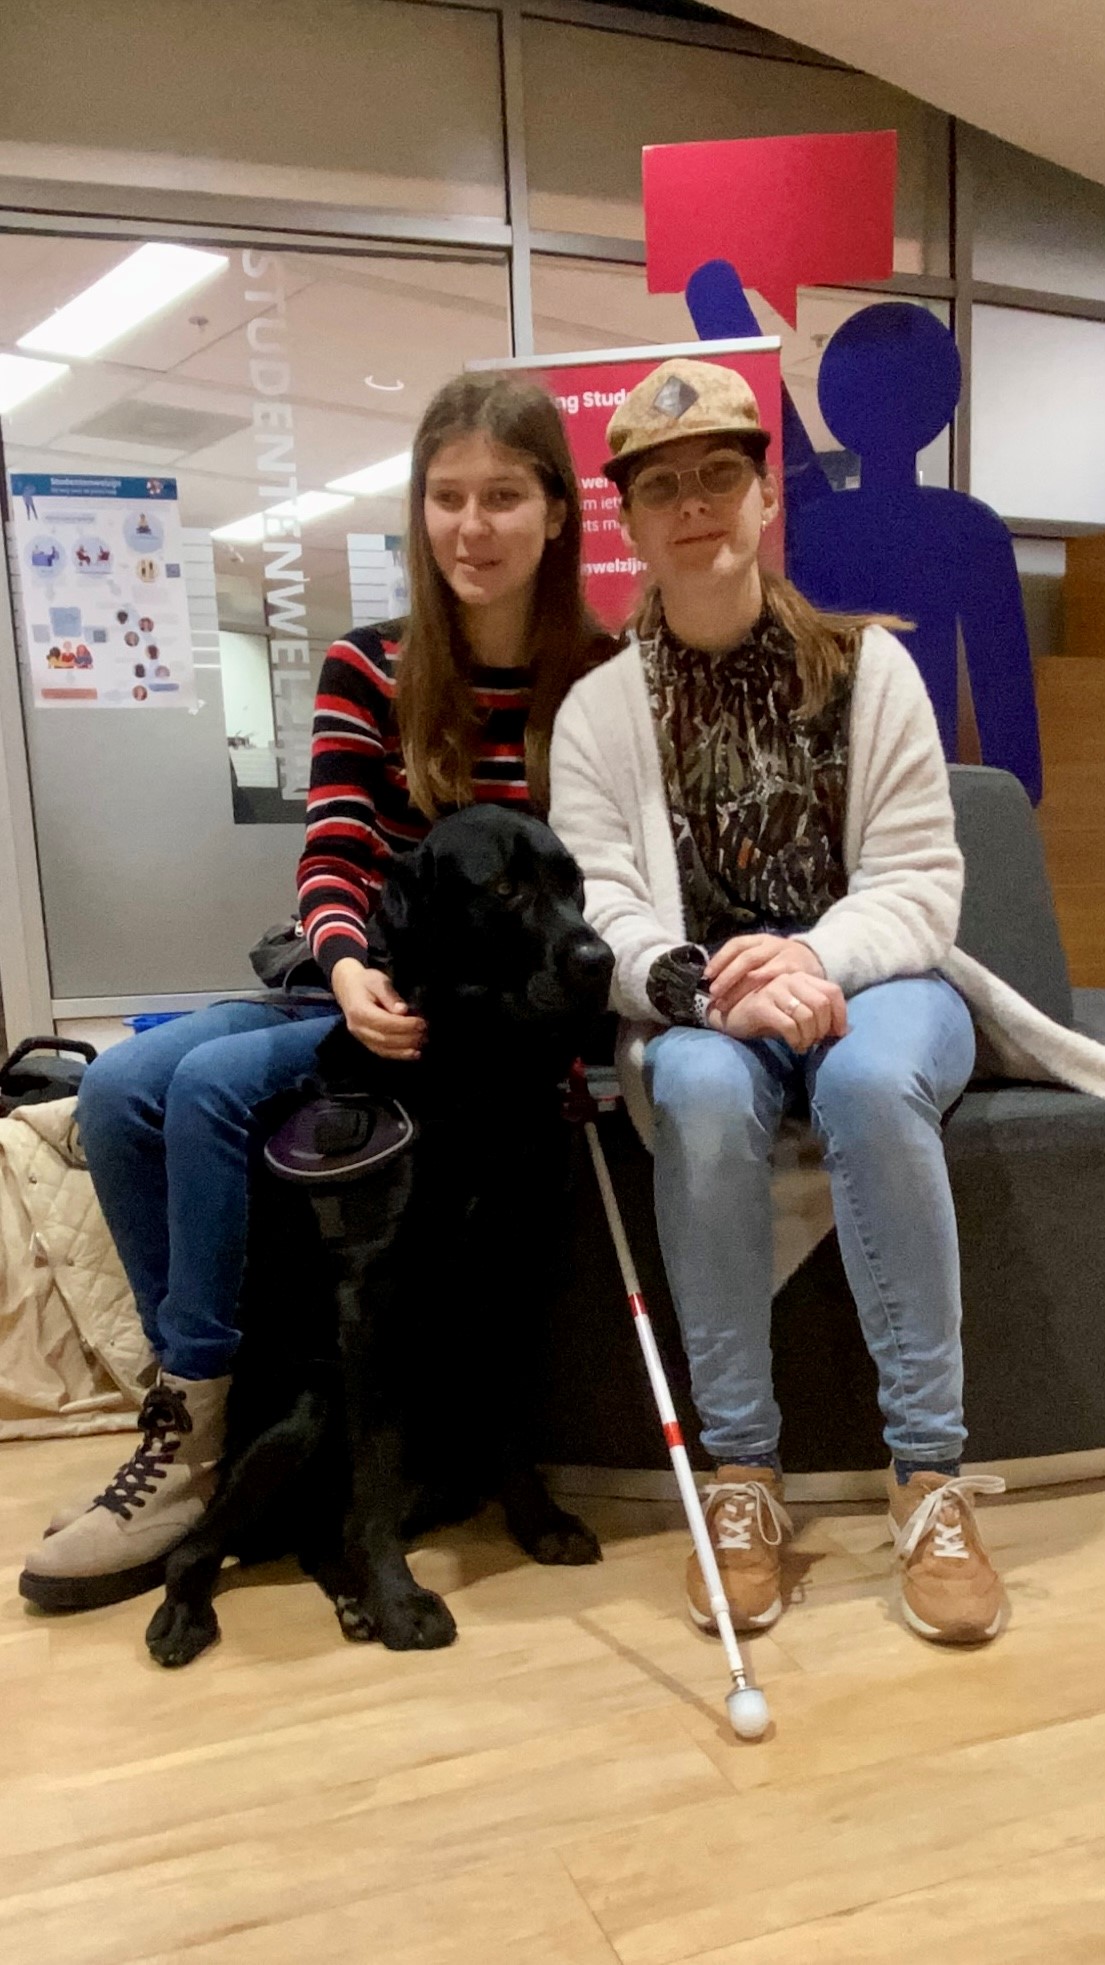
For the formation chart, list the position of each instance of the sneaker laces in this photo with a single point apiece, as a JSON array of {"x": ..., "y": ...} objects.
[
  {"x": 947, "y": 1528},
  {"x": 164, "y": 1419},
  {"x": 744, "y": 1502}
]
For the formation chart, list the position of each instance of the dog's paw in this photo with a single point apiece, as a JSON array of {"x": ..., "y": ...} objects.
[
  {"x": 356, "y": 1622},
  {"x": 177, "y": 1633},
  {"x": 568, "y": 1541},
  {"x": 421, "y": 1622}
]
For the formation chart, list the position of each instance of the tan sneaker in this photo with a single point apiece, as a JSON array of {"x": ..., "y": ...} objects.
[
  {"x": 951, "y": 1592},
  {"x": 746, "y": 1520},
  {"x": 117, "y": 1547}
]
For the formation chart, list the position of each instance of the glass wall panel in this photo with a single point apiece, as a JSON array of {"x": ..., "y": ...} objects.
[
  {"x": 594, "y": 99},
  {"x": 580, "y": 304},
  {"x": 278, "y": 397},
  {"x": 353, "y": 102},
  {"x": 1035, "y": 224},
  {"x": 821, "y": 311},
  {"x": 1038, "y": 415}
]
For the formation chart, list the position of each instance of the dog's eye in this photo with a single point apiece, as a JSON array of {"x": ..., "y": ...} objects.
[{"x": 505, "y": 888}]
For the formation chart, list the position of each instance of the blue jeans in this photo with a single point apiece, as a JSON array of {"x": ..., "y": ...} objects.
[
  {"x": 876, "y": 1098},
  {"x": 168, "y": 1128}
]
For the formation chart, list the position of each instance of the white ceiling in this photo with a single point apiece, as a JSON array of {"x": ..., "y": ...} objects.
[{"x": 1031, "y": 71}]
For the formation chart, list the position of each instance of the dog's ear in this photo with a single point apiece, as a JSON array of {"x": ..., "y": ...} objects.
[{"x": 409, "y": 885}]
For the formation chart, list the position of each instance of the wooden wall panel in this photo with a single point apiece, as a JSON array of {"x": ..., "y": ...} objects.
[
  {"x": 1084, "y": 597},
  {"x": 1070, "y": 692}
]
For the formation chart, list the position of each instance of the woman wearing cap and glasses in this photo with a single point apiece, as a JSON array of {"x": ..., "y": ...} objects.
[{"x": 757, "y": 796}]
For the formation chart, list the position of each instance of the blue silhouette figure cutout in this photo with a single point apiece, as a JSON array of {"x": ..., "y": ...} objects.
[
  {"x": 722, "y": 311},
  {"x": 890, "y": 380}
]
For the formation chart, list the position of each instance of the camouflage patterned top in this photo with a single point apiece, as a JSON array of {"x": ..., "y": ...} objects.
[{"x": 756, "y": 792}]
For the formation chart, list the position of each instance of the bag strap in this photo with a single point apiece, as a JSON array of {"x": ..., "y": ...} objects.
[{"x": 59, "y": 1045}]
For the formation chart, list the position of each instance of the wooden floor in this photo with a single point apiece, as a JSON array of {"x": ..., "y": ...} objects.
[{"x": 560, "y": 1788}]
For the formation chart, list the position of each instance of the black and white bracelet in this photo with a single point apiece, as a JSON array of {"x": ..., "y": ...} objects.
[{"x": 703, "y": 1003}]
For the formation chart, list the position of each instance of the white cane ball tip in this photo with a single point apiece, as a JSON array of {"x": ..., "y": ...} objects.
[{"x": 748, "y": 1713}]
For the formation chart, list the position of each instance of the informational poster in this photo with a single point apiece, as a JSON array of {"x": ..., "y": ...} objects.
[
  {"x": 588, "y": 389},
  {"x": 102, "y": 594}
]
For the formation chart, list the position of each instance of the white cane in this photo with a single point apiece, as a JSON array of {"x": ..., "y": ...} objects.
[{"x": 745, "y": 1703}]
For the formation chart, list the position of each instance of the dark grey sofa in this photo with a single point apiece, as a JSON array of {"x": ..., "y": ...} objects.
[{"x": 1027, "y": 1165}]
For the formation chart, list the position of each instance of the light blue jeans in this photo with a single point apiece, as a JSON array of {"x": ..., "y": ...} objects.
[
  {"x": 169, "y": 1126},
  {"x": 876, "y": 1098}
]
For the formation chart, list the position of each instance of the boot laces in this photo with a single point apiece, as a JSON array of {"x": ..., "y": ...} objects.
[
  {"x": 164, "y": 1419},
  {"x": 943, "y": 1513},
  {"x": 742, "y": 1503}
]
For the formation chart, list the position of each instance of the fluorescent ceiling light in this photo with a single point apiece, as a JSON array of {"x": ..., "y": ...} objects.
[
  {"x": 386, "y": 476},
  {"x": 309, "y": 505},
  {"x": 21, "y": 378},
  {"x": 141, "y": 285}
]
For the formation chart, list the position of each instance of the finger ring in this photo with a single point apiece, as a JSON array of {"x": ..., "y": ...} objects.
[{"x": 795, "y": 1003}]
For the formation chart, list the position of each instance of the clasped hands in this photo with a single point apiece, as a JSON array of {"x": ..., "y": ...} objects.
[{"x": 772, "y": 986}]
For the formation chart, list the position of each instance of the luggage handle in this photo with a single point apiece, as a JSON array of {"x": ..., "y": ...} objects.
[{"x": 56, "y": 1044}]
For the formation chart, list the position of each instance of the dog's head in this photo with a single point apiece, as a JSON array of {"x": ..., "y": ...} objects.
[{"x": 486, "y": 918}]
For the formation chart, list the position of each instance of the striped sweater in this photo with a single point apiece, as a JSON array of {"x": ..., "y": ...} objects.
[{"x": 359, "y": 811}]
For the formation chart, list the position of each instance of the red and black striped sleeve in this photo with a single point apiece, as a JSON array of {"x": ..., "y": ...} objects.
[{"x": 358, "y": 811}]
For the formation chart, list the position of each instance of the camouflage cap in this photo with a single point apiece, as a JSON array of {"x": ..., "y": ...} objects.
[{"x": 684, "y": 397}]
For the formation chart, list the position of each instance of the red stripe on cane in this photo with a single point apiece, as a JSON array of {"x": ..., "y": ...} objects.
[
  {"x": 638, "y": 1305},
  {"x": 673, "y": 1433}
]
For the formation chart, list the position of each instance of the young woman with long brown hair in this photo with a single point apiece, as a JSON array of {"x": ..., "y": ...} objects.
[
  {"x": 456, "y": 704},
  {"x": 758, "y": 800}
]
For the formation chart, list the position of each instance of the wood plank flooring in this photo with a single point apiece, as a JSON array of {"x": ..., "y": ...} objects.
[{"x": 561, "y": 1787}]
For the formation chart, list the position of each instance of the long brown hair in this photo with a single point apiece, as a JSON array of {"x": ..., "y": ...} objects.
[
  {"x": 826, "y": 645},
  {"x": 439, "y": 721}
]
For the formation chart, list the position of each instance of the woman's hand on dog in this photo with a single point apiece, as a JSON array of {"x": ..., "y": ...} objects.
[
  {"x": 377, "y": 1017},
  {"x": 803, "y": 1010}
]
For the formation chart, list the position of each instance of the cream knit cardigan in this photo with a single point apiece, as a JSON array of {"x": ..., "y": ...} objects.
[{"x": 905, "y": 871}]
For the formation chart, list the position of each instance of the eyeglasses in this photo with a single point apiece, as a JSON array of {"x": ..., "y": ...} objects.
[{"x": 719, "y": 476}]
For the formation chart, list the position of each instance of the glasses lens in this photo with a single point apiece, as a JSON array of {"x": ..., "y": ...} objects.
[
  {"x": 657, "y": 489},
  {"x": 721, "y": 476}
]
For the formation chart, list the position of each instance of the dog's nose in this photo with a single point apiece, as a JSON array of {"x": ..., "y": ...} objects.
[{"x": 587, "y": 963}]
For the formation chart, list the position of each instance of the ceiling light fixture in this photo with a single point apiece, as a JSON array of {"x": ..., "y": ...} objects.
[
  {"x": 143, "y": 284},
  {"x": 21, "y": 378},
  {"x": 310, "y": 505},
  {"x": 385, "y": 388},
  {"x": 388, "y": 475}
]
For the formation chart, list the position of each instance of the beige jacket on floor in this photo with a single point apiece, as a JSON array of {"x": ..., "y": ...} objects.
[{"x": 73, "y": 1358}]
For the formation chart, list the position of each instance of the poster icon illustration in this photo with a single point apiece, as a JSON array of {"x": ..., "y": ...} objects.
[
  {"x": 143, "y": 532},
  {"x": 44, "y": 556},
  {"x": 93, "y": 555}
]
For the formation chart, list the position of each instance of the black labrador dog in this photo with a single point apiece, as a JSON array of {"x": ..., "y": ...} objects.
[{"x": 388, "y": 1367}]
